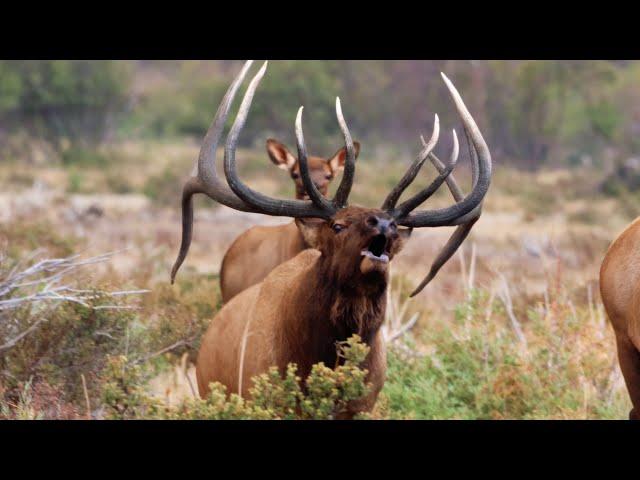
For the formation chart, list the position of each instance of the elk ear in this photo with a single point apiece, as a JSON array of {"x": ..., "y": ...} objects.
[
  {"x": 337, "y": 161},
  {"x": 405, "y": 234},
  {"x": 279, "y": 155},
  {"x": 310, "y": 228}
]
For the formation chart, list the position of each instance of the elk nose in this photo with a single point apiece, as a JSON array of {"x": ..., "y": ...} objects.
[{"x": 384, "y": 225}]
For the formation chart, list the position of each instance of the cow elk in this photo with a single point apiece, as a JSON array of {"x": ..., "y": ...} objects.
[
  {"x": 337, "y": 288},
  {"x": 620, "y": 291}
]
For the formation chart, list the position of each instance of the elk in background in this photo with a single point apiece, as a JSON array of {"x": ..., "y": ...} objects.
[
  {"x": 620, "y": 291},
  {"x": 337, "y": 288}
]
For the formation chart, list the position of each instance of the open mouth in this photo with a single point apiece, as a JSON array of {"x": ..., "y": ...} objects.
[{"x": 376, "y": 249}]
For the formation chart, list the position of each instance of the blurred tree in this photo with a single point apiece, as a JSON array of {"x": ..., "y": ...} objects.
[
  {"x": 63, "y": 98},
  {"x": 532, "y": 112}
]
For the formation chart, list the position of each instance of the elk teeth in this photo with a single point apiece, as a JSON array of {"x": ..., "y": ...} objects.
[{"x": 382, "y": 258}]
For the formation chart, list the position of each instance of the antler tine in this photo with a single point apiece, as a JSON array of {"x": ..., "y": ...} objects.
[
  {"x": 422, "y": 196},
  {"x": 263, "y": 203},
  {"x": 342, "y": 194},
  {"x": 454, "y": 188},
  {"x": 461, "y": 211},
  {"x": 314, "y": 194},
  {"x": 473, "y": 158},
  {"x": 454, "y": 242},
  {"x": 412, "y": 171},
  {"x": 204, "y": 177},
  {"x": 206, "y": 159}
]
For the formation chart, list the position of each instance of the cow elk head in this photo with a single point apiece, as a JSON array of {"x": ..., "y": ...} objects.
[{"x": 321, "y": 170}]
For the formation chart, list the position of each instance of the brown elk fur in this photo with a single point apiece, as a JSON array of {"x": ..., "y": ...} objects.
[
  {"x": 260, "y": 249},
  {"x": 304, "y": 306},
  {"x": 620, "y": 290}
]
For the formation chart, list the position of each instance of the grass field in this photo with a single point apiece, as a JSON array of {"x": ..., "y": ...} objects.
[{"x": 512, "y": 327}]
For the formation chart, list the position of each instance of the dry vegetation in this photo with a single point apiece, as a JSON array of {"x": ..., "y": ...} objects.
[{"x": 512, "y": 327}]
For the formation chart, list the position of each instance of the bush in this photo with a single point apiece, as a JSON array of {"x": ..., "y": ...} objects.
[
  {"x": 56, "y": 337},
  {"x": 480, "y": 370},
  {"x": 274, "y": 396}
]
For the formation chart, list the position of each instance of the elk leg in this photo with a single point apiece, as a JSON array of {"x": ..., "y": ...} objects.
[{"x": 629, "y": 358}]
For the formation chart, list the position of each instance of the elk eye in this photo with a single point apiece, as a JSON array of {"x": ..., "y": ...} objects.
[
  {"x": 328, "y": 177},
  {"x": 337, "y": 228},
  {"x": 295, "y": 176}
]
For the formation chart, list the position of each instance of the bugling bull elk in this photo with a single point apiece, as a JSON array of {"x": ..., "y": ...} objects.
[
  {"x": 337, "y": 288},
  {"x": 620, "y": 291},
  {"x": 262, "y": 248}
]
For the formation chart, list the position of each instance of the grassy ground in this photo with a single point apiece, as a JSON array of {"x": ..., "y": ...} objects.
[{"x": 512, "y": 327}]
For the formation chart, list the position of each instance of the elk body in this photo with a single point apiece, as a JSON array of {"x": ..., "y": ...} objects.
[
  {"x": 620, "y": 291},
  {"x": 262, "y": 248},
  {"x": 337, "y": 288}
]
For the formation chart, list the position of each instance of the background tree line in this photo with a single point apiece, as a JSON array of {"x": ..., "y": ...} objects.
[{"x": 534, "y": 113}]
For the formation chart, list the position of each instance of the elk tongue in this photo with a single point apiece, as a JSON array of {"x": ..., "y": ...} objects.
[
  {"x": 372, "y": 263},
  {"x": 384, "y": 258}
]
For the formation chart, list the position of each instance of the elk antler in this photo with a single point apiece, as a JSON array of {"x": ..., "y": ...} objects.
[
  {"x": 461, "y": 233},
  {"x": 406, "y": 207},
  {"x": 236, "y": 194},
  {"x": 458, "y": 213},
  {"x": 466, "y": 212},
  {"x": 409, "y": 177},
  {"x": 262, "y": 203},
  {"x": 344, "y": 189},
  {"x": 314, "y": 194}
]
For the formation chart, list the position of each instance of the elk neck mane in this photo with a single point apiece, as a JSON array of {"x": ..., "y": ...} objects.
[{"x": 321, "y": 311}]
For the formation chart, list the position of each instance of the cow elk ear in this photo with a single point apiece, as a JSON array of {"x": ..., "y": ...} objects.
[
  {"x": 337, "y": 161},
  {"x": 310, "y": 230},
  {"x": 280, "y": 155}
]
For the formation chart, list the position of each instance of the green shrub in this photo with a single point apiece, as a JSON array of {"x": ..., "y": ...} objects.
[
  {"x": 272, "y": 396},
  {"x": 480, "y": 370}
]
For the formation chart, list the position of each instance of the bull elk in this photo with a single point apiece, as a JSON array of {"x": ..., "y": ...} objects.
[
  {"x": 337, "y": 288},
  {"x": 620, "y": 291}
]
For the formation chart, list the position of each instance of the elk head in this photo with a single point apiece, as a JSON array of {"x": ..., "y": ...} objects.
[
  {"x": 357, "y": 245},
  {"x": 321, "y": 170},
  {"x": 356, "y": 242}
]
